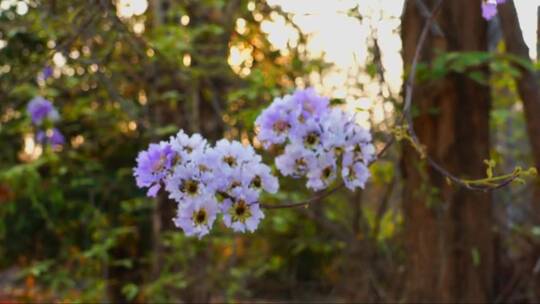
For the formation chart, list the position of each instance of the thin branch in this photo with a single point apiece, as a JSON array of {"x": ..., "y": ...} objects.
[
  {"x": 306, "y": 202},
  {"x": 424, "y": 11}
]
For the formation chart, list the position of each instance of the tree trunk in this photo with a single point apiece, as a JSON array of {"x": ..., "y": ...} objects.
[
  {"x": 529, "y": 90},
  {"x": 448, "y": 230},
  {"x": 528, "y": 87}
]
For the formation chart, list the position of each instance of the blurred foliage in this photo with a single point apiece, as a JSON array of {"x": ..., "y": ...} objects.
[{"x": 74, "y": 226}]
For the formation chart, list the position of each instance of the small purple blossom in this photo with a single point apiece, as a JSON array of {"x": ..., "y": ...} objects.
[
  {"x": 232, "y": 154},
  {"x": 197, "y": 217},
  {"x": 312, "y": 105},
  {"x": 153, "y": 165},
  {"x": 259, "y": 177},
  {"x": 188, "y": 145},
  {"x": 41, "y": 109},
  {"x": 307, "y": 134},
  {"x": 355, "y": 175},
  {"x": 51, "y": 136},
  {"x": 295, "y": 161},
  {"x": 489, "y": 8},
  {"x": 322, "y": 173},
  {"x": 46, "y": 73},
  {"x": 275, "y": 122},
  {"x": 186, "y": 183},
  {"x": 242, "y": 212}
]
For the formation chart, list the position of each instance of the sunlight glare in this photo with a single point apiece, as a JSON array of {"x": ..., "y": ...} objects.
[{"x": 130, "y": 8}]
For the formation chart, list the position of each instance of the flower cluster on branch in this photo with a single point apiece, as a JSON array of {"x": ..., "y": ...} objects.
[
  {"x": 317, "y": 139},
  {"x": 207, "y": 181},
  {"x": 318, "y": 142}
]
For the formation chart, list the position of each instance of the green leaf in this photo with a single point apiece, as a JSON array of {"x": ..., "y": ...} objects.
[
  {"x": 130, "y": 291},
  {"x": 475, "y": 254}
]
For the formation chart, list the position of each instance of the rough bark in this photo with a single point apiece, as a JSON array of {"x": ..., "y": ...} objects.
[
  {"x": 528, "y": 86},
  {"x": 448, "y": 230}
]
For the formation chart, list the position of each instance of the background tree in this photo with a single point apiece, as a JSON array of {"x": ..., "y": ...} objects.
[{"x": 448, "y": 228}]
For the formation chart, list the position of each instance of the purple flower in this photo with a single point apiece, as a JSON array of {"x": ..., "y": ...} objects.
[
  {"x": 275, "y": 122},
  {"x": 188, "y": 145},
  {"x": 51, "y": 136},
  {"x": 489, "y": 8},
  {"x": 312, "y": 105},
  {"x": 322, "y": 173},
  {"x": 186, "y": 184},
  {"x": 40, "y": 109},
  {"x": 259, "y": 177},
  {"x": 316, "y": 139},
  {"x": 364, "y": 152},
  {"x": 355, "y": 175},
  {"x": 153, "y": 165},
  {"x": 232, "y": 154},
  {"x": 338, "y": 129},
  {"x": 46, "y": 73},
  {"x": 295, "y": 161},
  {"x": 242, "y": 212},
  {"x": 308, "y": 134},
  {"x": 198, "y": 216}
]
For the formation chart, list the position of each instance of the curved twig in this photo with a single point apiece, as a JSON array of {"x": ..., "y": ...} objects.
[
  {"x": 409, "y": 88},
  {"x": 308, "y": 201}
]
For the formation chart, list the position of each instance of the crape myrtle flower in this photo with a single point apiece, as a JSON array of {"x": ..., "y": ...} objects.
[
  {"x": 275, "y": 122},
  {"x": 295, "y": 161},
  {"x": 153, "y": 165},
  {"x": 322, "y": 173},
  {"x": 207, "y": 181},
  {"x": 319, "y": 143},
  {"x": 45, "y": 74},
  {"x": 40, "y": 109},
  {"x": 317, "y": 140},
  {"x": 186, "y": 183},
  {"x": 51, "y": 136},
  {"x": 188, "y": 145},
  {"x": 489, "y": 8},
  {"x": 311, "y": 104},
  {"x": 355, "y": 173},
  {"x": 259, "y": 177},
  {"x": 197, "y": 217},
  {"x": 43, "y": 115},
  {"x": 307, "y": 134},
  {"x": 240, "y": 166},
  {"x": 242, "y": 212},
  {"x": 232, "y": 154},
  {"x": 291, "y": 112},
  {"x": 337, "y": 131}
]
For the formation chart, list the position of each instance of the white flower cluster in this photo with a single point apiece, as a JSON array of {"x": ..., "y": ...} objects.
[
  {"x": 317, "y": 140},
  {"x": 206, "y": 181}
]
